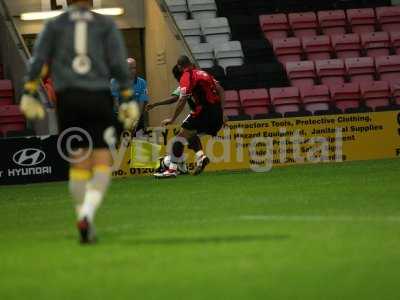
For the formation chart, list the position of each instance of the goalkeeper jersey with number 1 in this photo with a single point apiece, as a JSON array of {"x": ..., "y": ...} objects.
[{"x": 84, "y": 50}]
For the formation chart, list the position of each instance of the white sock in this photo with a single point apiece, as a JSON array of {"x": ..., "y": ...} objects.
[
  {"x": 173, "y": 166},
  {"x": 91, "y": 204},
  {"x": 95, "y": 192},
  {"x": 199, "y": 154}
]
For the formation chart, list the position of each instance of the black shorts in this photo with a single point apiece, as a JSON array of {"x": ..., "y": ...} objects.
[
  {"x": 209, "y": 121},
  {"x": 82, "y": 114}
]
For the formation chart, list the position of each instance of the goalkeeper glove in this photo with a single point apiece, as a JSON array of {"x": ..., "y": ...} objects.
[
  {"x": 129, "y": 113},
  {"x": 30, "y": 104}
]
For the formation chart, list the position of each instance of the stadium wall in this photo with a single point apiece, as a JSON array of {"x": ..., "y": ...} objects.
[{"x": 162, "y": 49}]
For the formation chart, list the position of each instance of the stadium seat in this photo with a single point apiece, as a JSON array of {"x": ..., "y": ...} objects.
[
  {"x": 288, "y": 49},
  {"x": 317, "y": 47},
  {"x": 6, "y": 92},
  {"x": 274, "y": 26},
  {"x": 361, "y": 20},
  {"x": 303, "y": 24},
  {"x": 395, "y": 90},
  {"x": 315, "y": 98},
  {"x": 347, "y": 45},
  {"x": 376, "y": 43},
  {"x": 272, "y": 75},
  {"x": 20, "y": 133},
  {"x": 178, "y": 9},
  {"x": 301, "y": 73},
  {"x": 245, "y": 27},
  {"x": 191, "y": 31},
  {"x": 202, "y": 9},
  {"x": 242, "y": 77},
  {"x": 360, "y": 69},
  {"x": 332, "y": 22},
  {"x": 346, "y": 96},
  {"x": 388, "y": 68},
  {"x": 216, "y": 31},
  {"x": 257, "y": 51},
  {"x": 217, "y": 72},
  {"x": 395, "y": 40},
  {"x": 331, "y": 71},
  {"x": 204, "y": 54},
  {"x": 285, "y": 100},
  {"x": 389, "y": 18},
  {"x": 255, "y": 101},
  {"x": 229, "y": 54},
  {"x": 375, "y": 94},
  {"x": 232, "y": 103},
  {"x": 11, "y": 118}
]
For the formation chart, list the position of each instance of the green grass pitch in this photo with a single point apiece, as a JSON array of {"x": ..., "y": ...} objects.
[{"x": 327, "y": 231}]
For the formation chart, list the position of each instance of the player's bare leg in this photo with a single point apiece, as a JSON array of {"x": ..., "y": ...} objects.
[
  {"x": 96, "y": 189},
  {"x": 89, "y": 180},
  {"x": 79, "y": 174}
]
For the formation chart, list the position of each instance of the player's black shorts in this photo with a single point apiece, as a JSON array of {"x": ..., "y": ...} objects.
[
  {"x": 80, "y": 112},
  {"x": 209, "y": 121}
]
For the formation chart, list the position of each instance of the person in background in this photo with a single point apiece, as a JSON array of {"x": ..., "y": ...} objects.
[{"x": 140, "y": 93}]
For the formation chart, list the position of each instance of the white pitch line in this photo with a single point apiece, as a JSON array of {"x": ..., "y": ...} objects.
[{"x": 306, "y": 218}]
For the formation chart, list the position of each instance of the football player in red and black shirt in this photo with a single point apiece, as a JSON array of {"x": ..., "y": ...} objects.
[{"x": 206, "y": 117}]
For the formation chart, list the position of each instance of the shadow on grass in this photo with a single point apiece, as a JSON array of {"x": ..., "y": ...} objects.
[{"x": 207, "y": 240}]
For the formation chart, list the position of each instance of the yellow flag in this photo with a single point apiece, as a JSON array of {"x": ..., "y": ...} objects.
[{"x": 145, "y": 154}]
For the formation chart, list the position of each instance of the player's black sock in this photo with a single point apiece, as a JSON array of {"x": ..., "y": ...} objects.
[{"x": 195, "y": 143}]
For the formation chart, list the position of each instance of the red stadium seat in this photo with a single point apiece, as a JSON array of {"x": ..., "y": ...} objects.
[
  {"x": 285, "y": 100},
  {"x": 395, "y": 40},
  {"x": 303, "y": 24},
  {"x": 11, "y": 119},
  {"x": 315, "y": 98},
  {"x": 331, "y": 71},
  {"x": 346, "y": 96},
  {"x": 301, "y": 73},
  {"x": 288, "y": 49},
  {"x": 395, "y": 89},
  {"x": 389, "y": 18},
  {"x": 317, "y": 47},
  {"x": 232, "y": 103},
  {"x": 376, "y": 43},
  {"x": 274, "y": 26},
  {"x": 375, "y": 94},
  {"x": 255, "y": 101},
  {"x": 361, "y": 20},
  {"x": 360, "y": 69},
  {"x": 388, "y": 68},
  {"x": 332, "y": 21},
  {"x": 6, "y": 91},
  {"x": 347, "y": 45}
]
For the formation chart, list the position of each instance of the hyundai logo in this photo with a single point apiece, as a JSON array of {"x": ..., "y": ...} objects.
[{"x": 29, "y": 157}]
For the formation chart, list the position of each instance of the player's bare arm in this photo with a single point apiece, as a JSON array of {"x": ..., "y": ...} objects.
[
  {"x": 168, "y": 101},
  {"x": 179, "y": 108}
]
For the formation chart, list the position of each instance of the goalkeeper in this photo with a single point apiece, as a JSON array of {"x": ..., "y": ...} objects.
[{"x": 85, "y": 49}]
